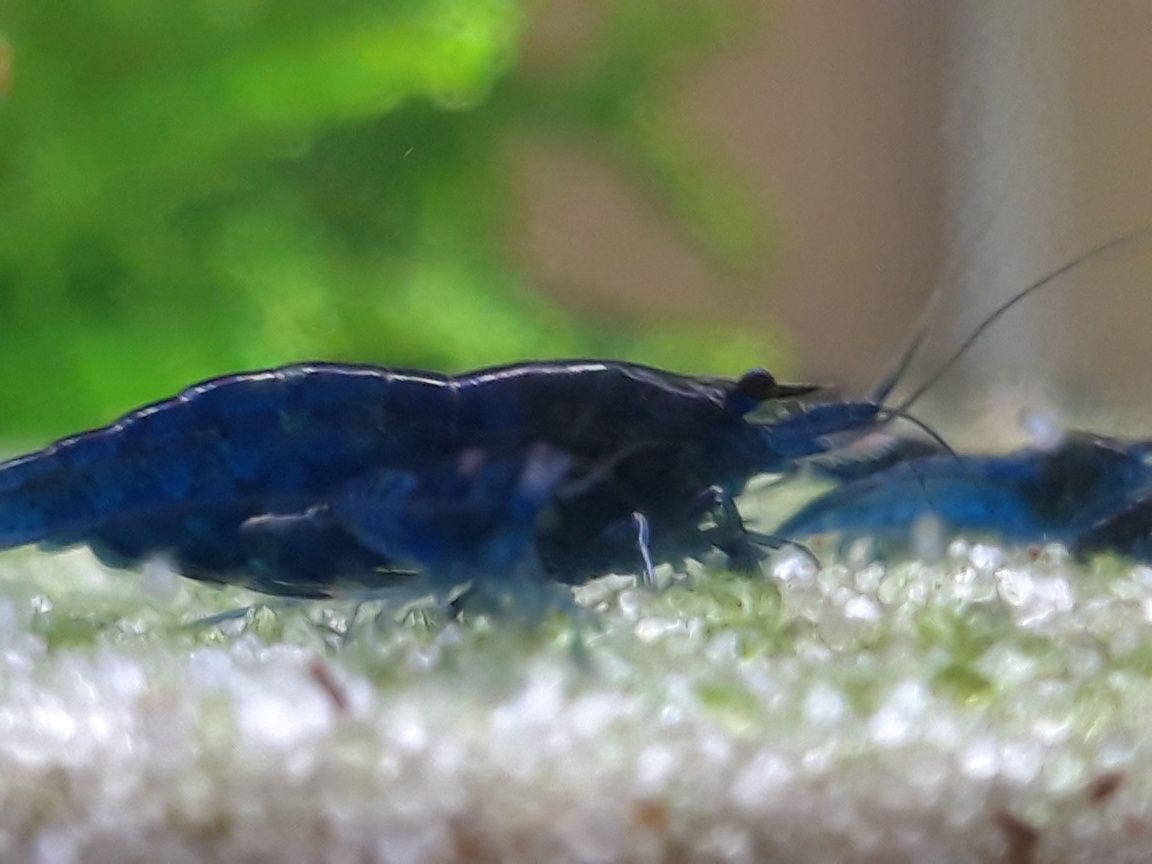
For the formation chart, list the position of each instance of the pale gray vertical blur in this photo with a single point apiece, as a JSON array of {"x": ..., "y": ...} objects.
[
  {"x": 1006, "y": 154},
  {"x": 896, "y": 146},
  {"x": 1048, "y": 131}
]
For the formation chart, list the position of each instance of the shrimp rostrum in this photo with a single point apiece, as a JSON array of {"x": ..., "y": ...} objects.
[{"x": 319, "y": 480}]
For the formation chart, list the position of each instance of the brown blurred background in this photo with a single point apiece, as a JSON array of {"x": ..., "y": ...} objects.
[{"x": 896, "y": 146}]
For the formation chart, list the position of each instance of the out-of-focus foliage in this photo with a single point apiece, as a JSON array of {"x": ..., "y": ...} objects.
[{"x": 190, "y": 187}]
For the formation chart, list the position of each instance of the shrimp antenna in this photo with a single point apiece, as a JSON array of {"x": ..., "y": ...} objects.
[
  {"x": 893, "y": 413},
  {"x": 924, "y": 319},
  {"x": 996, "y": 314},
  {"x": 885, "y": 387}
]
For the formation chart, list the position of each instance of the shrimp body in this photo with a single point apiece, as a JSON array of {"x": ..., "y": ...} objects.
[
  {"x": 299, "y": 480},
  {"x": 1027, "y": 496}
]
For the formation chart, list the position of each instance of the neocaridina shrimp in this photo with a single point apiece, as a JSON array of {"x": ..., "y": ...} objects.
[
  {"x": 1082, "y": 492},
  {"x": 316, "y": 480}
]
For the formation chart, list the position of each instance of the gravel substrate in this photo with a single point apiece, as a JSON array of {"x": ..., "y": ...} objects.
[{"x": 992, "y": 706}]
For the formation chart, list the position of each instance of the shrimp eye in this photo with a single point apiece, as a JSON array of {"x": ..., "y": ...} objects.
[{"x": 759, "y": 385}]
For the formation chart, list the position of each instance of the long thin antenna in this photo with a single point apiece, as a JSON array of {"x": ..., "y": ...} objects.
[
  {"x": 900, "y": 413},
  {"x": 886, "y": 385},
  {"x": 1000, "y": 310},
  {"x": 924, "y": 320}
]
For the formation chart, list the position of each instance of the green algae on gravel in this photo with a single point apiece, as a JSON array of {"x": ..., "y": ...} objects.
[{"x": 858, "y": 711}]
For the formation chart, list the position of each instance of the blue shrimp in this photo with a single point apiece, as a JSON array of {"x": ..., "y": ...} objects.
[
  {"x": 1029, "y": 496},
  {"x": 299, "y": 481}
]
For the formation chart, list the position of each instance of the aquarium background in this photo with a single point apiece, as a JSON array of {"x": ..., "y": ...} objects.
[{"x": 192, "y": 188}]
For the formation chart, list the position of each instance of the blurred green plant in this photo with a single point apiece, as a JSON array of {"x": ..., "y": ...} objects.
[{"x": 190, "y": 187}]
